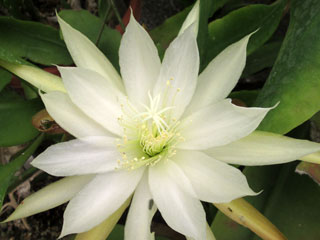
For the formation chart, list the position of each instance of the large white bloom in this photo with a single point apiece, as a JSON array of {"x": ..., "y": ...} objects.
[{"x": 161, "y": 132}]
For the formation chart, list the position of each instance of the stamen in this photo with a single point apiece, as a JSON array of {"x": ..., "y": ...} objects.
[
  {"x": 153, "y": 113},
  {"x": 149, "y": 136}
]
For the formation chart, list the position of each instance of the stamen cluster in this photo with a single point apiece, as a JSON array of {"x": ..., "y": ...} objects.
[{"x": 150, "y": 135}]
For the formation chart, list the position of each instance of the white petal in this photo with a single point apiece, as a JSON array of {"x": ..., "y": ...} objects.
[
  {"x": 99, "y": 199},
  {"x": 212, "y": 180},
  {"x": 139, "y": 62},
  {"x": 181, "y": 210},
  {"x": 94, "y": 96},
  {"x": 179, "y": 71},
  {"x": 219, "y": 124},
  {"x": 50, "y": 196},
  {"x": 79, "y": 156},
  {"x": 141, "y": 212},
  {"x": 220, "y": 76},
  {"x": 192, "y": 18},
  {"x": 86, "y": 55},
  {"x": 210, "y": 235},
  {"x": 263, "y": 148},
  {"x": 70, "y": 117}
]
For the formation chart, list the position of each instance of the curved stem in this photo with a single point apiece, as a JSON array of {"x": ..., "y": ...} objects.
[
  {"x": 116, "y": 12},
  {"x": 245, "y": 214},
  {"x": 39, "y": 78}
]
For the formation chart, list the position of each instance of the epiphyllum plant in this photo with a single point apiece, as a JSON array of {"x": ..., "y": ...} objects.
[{"x": 161, "y": 133}]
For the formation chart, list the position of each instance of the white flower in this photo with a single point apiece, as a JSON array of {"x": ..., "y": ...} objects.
[{"x": 162, "y": 133}]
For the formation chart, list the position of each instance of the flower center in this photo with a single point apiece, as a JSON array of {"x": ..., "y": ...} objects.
[
  {"x": 150, "y": 135},
  {"x": 153, "y": 142}
]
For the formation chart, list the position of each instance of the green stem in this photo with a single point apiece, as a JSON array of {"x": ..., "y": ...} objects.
[
  {"x": 117, "y": 14},
  {"x": 312, "y": 158},
  {"x": 245, "y": 214},
  {"x": 103, "y": 23},
  {"x": 39, "y": 78}
]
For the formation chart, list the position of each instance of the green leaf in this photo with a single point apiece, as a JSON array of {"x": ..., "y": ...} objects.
[
  {"x": 35, "y": 41},
  {"x": 217, "y": 5},
  {"x": 103, "y": 6},
  {"x": 295, "y": 77},
  {"x": 206, "y": 11},
  {"x": 90, "y": 26},
  {"x": 247, "y": 96},
  {"x": 30, "y": 92},
  {"x": 7, "y": 171},
  {"x": 10, "y": 57},
  {"x": 5, "y": 78},
  {"x": 241, "y": 22},
  {"x": 263, "y": 58},
  {"x": 15, "y": 118},
  {"x": 117, "y": 233}
]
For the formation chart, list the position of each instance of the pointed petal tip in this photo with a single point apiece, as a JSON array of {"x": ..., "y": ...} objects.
[
  {"x": 192, "y": 19},
  {"x": 252, "y": 193},
  {"x": 276, "y": 105},
  {"x": 132, "y": 18},
  {"x": 243, "y": 42},
  {"x": 64, "y": 232},
  {"x": 37, "y": 164},
  {"x": 34, "y": 163},
  {"x": 12, "y": 217},
  {"x": 7, "y": 220},
  {"x": 247, "y": 192},
  {"x": 221, "y": 75},
  {"x": 246, "y": 38},
  {"x": 87, "y": 55},
  {"x": 60, "y": 20},
  {"x": 252, "y": 33},
  {"x": 138, "y": 47},
  {"x": 131, "y": 13}
]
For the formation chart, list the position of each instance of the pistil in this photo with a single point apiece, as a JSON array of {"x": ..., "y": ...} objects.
[{"x": 150, "y": 136}]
